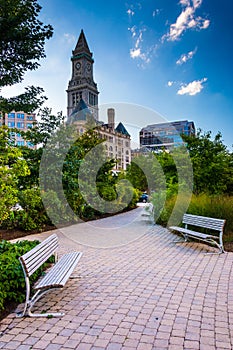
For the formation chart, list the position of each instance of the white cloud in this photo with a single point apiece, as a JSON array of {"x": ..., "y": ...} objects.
[
  {"x": 186, "y": 57},
  {"x": 156, "y": 12},
  {"x": 186, "y": 20},
  {"x": 205, "y": 24},
  {"x": 192, "y": 88},
  {"x": 197, "y": 3},
  {"x": 136, "y": 51},
  {"x": 130, "y": 12},
  {"x": 69, "y": 38},
  {"x": 170, "y": 83},
  {"x": 133, "y": 31}
]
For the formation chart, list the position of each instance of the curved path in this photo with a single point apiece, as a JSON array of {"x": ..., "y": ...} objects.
[{"x": 145, "y": 292}]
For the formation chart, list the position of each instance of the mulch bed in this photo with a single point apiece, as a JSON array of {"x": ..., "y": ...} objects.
[{"x": 14, "y": 234}]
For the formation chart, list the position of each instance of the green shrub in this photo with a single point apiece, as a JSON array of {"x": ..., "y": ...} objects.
[
  {"x": 12, "y": 282},
  {"x": 32, "y": 217}
]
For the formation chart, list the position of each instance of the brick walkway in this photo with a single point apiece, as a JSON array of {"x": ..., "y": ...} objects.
[{"x": 147, "y": 294}]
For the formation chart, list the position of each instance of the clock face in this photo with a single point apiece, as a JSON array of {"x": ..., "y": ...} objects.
[{"x": 78, "y": 65}]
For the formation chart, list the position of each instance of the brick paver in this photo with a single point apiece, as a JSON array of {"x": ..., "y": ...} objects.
[{"x": 147, "y": 294}]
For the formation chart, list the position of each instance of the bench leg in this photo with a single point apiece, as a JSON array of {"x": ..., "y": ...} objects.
[
  {"x": 185, "y": 239},
  {"x": 27, "y": 308},
  {"x": 220, "y": 247},
  {"x": 27, "y": 301}
]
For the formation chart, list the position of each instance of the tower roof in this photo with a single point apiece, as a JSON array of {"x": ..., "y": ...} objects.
[
  {"x": 82, "y": 47},
  {"x": 80, "y": 113},
  {"x": 121, "y": 129}
]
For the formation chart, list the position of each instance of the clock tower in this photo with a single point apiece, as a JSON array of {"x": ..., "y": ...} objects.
[{"x": 82, "y": 85}]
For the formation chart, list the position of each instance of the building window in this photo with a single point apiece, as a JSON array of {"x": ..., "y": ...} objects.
[
  {"x": 20, "y": 143},
  {"x": 20, "y": 125},
  {"x": 92, "y": 99},
  {"x": 30, "y": 117},
  {"x": 11, "y": 124},
  {"x": 73, "y": 99},
  {"x": 11, "y": 115},
  {"x": 20, "y": 115},
  {"x": 29, "y": 125}
]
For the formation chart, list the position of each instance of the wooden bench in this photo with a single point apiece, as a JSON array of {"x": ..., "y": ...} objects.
[
  {"x": 215, "y": 227},
  {"x": 56, "y": 277},
  {"x": 148, "y": 211}
]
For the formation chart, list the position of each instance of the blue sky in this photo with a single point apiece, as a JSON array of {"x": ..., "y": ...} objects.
[{"x": 171, "y": 56}]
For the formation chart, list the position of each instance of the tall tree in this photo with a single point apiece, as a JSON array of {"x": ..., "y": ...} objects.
[
  {"x": 212, "y": 163},
  {"x": 12, "y": 167},
  {"x": 38, "y": 136},
  {"x": 22, "y": 40}
]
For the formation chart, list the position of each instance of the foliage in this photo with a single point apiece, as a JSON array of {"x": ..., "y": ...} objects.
[
  {"x": 27, "y": 102},
  {"x": 212, "y": 180},
  {"x": 38, "y": 136},
  {"x": 45, "y": 128},
  {"x": 22, "y": 43},
  {"x": 23, "y": 38},
  {"x": 12, "y": 282},
  {"x": 97, "y": 185},
  {"x": 146, "y": 174},
  {"x": 212, "y": 163},
  {"x": 12, "y": 167},
  {"x": 136, "y": 175},
  {"x": 33, "y": 215}
]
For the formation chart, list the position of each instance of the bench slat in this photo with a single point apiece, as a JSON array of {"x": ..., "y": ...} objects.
[
  {"x": 193, "y": 233},
  {"x": 61, "y": 271},
  {"x": 205, "y": 222},
  {"x": 33, "y": 259}
]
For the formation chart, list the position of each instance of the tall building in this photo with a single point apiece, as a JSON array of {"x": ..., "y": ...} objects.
[
  {"x": 82, "y": 105},
  {"x": 117, "y": 140},
  {"x": 22, "y": 121},
  {"x": 165, "y": 135},
  {"x": 82, "y": 85}
]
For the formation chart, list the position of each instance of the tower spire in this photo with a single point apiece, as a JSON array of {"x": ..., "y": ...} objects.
[
  {"x": 82, "y": 85},
  {"x": 82, "y": 46}
]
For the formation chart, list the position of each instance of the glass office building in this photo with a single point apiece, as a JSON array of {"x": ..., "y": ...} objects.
[{"x": 165, "y": 135}]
